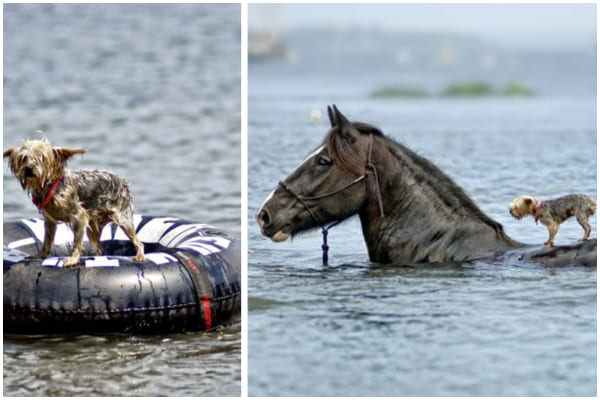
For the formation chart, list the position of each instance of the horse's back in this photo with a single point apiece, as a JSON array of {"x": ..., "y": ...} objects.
[{"x": 582, "y": 253}]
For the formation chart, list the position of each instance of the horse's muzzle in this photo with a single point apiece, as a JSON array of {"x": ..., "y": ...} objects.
[
  {"x": 262, "y": 218},
  {"x": 264, "y": 223}
]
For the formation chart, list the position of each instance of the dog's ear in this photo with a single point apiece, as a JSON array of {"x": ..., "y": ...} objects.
[
  {"x": 8, "y": 152},
  {"x": 64, "y": 153},
  {"x": 528, "y": 201}
]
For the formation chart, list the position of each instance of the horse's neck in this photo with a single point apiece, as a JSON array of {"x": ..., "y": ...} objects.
[{"x": 424, "y": 209}]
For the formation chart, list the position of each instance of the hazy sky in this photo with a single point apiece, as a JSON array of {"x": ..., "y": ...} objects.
[{"x": 520, "y": 24}]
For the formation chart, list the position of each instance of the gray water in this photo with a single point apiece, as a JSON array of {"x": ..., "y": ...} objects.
[
  {"x": 152, "y": 92},
  {"x": 485, "y": 328}
]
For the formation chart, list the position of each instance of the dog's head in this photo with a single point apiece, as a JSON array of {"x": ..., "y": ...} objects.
[
  {"x": 522, "y": 206},
  {"x": 36, "y": 163}
]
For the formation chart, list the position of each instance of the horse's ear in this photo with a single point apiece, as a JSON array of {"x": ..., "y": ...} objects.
[
  {"x": 331, "y": 117},
  {"x": 345, "y": 126},
  {"x": 339, "y": 117}
]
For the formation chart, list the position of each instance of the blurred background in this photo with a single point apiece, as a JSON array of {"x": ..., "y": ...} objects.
[
  {"x": 424, "y": 50},
  {"x": 501, "y": 97},
  {"x": 152, "y": 92}
]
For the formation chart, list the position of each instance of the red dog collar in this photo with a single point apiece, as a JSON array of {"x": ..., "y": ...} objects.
[
  {"x": 49, "y": 196},
  {"x": 537, "y": 211}
]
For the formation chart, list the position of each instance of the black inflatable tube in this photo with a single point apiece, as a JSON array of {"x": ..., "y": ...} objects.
[{"x": 190, "y": 280}]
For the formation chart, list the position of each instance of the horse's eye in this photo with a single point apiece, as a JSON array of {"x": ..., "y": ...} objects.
[{"x": 322, "y": 161}]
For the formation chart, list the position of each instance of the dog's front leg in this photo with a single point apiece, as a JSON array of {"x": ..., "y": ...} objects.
[
  {"x": 78, "y": 225},
  {"x": 552, "y": 229},
  {"x": 587, "y": 229},
  {"x": 49, "y": 232}
]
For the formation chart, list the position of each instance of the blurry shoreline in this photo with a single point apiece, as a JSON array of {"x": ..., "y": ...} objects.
[{"x": 427, "y": 62}]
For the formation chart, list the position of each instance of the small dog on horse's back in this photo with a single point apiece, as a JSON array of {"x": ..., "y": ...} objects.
[
  {"x": 552, "y": 213},
  {"x": 83, "y": 199}
]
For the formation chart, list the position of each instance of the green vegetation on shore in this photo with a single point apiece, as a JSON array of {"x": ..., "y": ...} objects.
[
  {"x": 460, "y": 89},
  {"x": 468, "y": 89},
  {"x": 516, "y": 89},
  {"x": 396, "y": 91}
]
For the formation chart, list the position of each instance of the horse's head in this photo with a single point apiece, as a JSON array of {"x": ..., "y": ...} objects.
[{"x": 330, "y": 185}]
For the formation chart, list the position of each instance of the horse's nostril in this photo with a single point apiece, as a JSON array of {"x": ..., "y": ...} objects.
[{"x": 263, "y": 218}]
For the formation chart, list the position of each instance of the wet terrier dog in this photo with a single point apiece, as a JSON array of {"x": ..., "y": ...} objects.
[
  {"x": 84, "y": 199},
  {"x": 553, "y": 212}
]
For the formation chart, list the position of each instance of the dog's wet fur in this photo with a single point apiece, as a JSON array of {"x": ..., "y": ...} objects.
[
  {"x": 553, "y": 212},
  {"x": 84, "y": 199}
]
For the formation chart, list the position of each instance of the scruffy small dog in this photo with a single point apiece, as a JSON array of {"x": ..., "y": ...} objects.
[
  {"x": 84, "y": 199},
  {"x": 553, "y": 212}
]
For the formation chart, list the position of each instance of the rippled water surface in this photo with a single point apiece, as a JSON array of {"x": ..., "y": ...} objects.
[
  {"x": 189, "y": 364},
  {"x": 486, "y": 328},
  {"x": 152, "y": 92}
]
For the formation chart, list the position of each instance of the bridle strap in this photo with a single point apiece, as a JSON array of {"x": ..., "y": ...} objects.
[
  {"x": 371, "y": 166},
  {"x": 302, "y": 201},
  {"x": 322, "y": 196},
  {"x": 325, "y": 228}
]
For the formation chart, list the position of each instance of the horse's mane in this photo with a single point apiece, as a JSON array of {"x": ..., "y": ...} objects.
[
  {"x": 425, "y": 172},
  {"x": 447, "y": 190}
]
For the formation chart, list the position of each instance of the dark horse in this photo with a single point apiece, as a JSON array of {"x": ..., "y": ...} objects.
[{"x": 410, "y": 211}]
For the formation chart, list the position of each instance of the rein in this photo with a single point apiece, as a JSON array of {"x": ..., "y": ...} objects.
[{"x": 325, "y": 228}]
